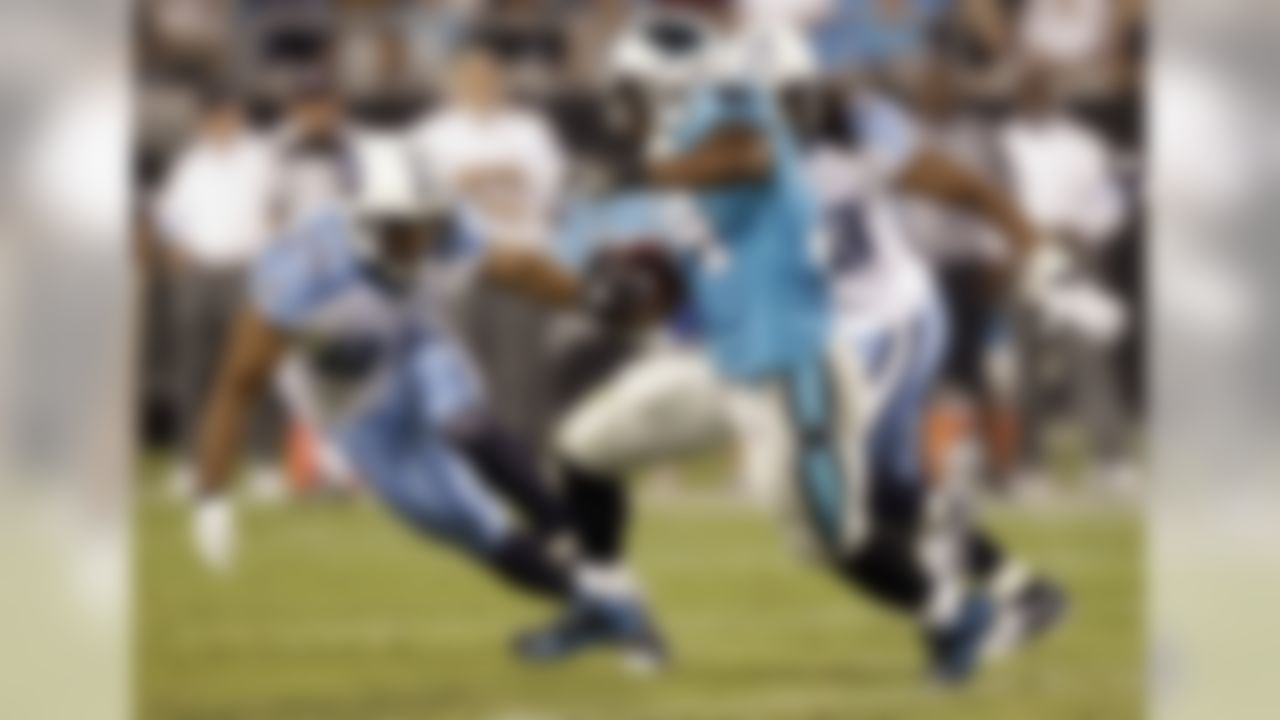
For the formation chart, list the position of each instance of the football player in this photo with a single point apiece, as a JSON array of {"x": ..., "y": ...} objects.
[
  {"x": 861, "y": 155},
  {"x": 759, "y": 281},
  {"x": 760, "y": 296},
  {"x": 345, "y": 302}
]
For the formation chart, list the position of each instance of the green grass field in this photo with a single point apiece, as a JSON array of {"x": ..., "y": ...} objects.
[{"x": 338, "y": 612}]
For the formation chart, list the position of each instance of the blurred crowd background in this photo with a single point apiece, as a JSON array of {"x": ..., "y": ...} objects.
[{"x": 246, "y": 109}]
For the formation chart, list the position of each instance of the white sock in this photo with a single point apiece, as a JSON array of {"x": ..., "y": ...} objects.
[
  {"x": 944, "y": 605},
  {"x": 1010, "y": 580},
  {"x": 612, "y": 581},
  {"x": 938, "y": 554}
]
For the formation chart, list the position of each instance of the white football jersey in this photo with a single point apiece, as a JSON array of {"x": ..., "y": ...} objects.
[{"x": 879, "y": 275}]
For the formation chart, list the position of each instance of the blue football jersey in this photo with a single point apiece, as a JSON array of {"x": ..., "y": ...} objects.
[
  {"x": 299, "y": 273},
  {"x": 758, "y": 282},
  {"x": 352, "y": 338}
]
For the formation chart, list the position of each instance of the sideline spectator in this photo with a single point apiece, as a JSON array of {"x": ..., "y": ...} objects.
[
  {"x": 314, "y": 151},
  {"x": 213, "y": 215},
  {"x": 378, "y": 68},
  {"x": 503, "y": 164},
  {"x": 967, "y": 254},
  {"x": 1061, "y": 167},
  {"x": 1066, "y": 32},
  {"x": 1063, "y": 178},
  {"x": 435, "y": 29},
  {"x": 500, "y": 160},
  {"x": 533, "y": 39}
]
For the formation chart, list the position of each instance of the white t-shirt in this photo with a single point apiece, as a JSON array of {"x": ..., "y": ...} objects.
[
  {"x": 216, "y": 203},
  {"x": 1066, "y": 31},
  {"x": 506, "y": 168},
  {"x": 1062, "y": 176}
]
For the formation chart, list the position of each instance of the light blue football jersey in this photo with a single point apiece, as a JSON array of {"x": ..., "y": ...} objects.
[
  {"x": 377, "y": 373},
  {"x": 354, "y": 339},
  {"x": 759, "y": 283},
  {"x": 310, "y": 265}
]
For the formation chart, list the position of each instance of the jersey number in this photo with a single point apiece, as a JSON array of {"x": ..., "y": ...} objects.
[{"x": 851, "y": 237}]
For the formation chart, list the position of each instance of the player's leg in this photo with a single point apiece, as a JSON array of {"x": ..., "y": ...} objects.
[
  {"x": 598, "y": 505},
  {"x": 590, "y": 359},
  {"x": 869, "y": 535},
  {"x": 791, "y": 439},
  {"x": 658, "y": 405},
  {"x": 794, "y": 438},
  {"x": 914, "y": 555},
  {"x": 963, "y": 564},
  {"x": 1030, "y": 604},
  {"x": 425, "y": 483},
  {"x": 511, "y": 470},
  {"x": 662, "y": 404},
  {"x": 453, "y": 399}
]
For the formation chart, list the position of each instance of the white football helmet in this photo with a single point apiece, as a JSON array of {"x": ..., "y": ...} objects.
[
  {"x": 666, "y": 51},
  {"x": 387, "y": 184},
  {"x": 673, "y": 48},
  {"x": 671, "y": 52},
  {"x": 389, "y": 190}
]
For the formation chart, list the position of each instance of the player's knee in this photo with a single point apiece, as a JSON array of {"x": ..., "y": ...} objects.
[{"x": 580, "y": 442}]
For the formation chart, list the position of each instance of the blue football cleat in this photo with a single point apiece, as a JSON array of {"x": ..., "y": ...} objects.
[
  {"x": 956, "y": 651},
  {"x": 590, "y": 624}
]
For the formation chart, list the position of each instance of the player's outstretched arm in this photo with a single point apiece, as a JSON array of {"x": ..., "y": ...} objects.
[
  {"x": 731, "y": 155},
  {"x": 533, "y": 273},
  {"x": 255, "y": 349},
  {"x": 934, "y": 175},
  {"x": 628, "y": 287}
]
